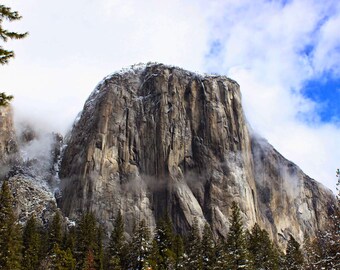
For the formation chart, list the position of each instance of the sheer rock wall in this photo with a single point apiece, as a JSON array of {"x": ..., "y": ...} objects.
[{"x": 156, "y": 139}]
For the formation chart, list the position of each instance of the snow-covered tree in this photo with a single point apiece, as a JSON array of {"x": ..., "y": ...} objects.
[
  {"x": 236, "y": 247},
  {"x": 6, "y": 14},
  {"x": 294, "y": 257},
  {"x": 261, "y": 249},
  {"x": 164, "y": 239},
  {"x": 193, "y": 259},
  {"x": 178, "y": 248},
  {"x": 208, "y": 249},
  {"x": 140, "y": 247},
  {"x": 117, "y": 243}
]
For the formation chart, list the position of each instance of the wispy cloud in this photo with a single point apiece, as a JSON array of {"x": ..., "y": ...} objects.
[{"x": 272, "y": 50}]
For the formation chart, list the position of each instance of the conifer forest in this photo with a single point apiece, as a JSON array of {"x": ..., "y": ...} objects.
[{"x": 84, "y": 245}]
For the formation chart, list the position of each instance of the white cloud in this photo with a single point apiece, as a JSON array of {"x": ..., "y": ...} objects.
[
  {"x": 73, "y": 44},
  {"x": 264, "y": 51}
]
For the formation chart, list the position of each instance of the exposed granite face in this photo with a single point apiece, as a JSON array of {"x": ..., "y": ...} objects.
[
  {"x": 156, "y": 139},
  {"x": 30, "y": 166},
  {"x": 32, "y": 198},
  {"x": 289, "y": 201},
  {"x": 8, "y": 142}
]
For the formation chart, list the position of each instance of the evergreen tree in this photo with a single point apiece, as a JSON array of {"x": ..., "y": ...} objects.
[
  {"x": 99, "y": 250},
  {"x": 221, "y": 255},
  {"x": 261, "y": 249},
  {"x": 55, "y": 231},
  {"x": 294, "y": 257},
  {"x": 312, "y": 253},
  {"x": 7, "y": 14},
  {"x": 70, "y": 239},
  {"x": 88, "y": 241},
  {"x": 31, "y": 245},
  {"x": 10, "y": 242},
  {"x": 155, "y": 258},
  {"x": 193, "y": 258},
  {"x": 208, "y": 249},
  {"x": 89, "y": 261},
  {"x": 140, "y": 247},
  {"x": 236, "y": 246},
  {"x": 62, "y": 260},
  {"x": 164, "y": 238},
  {"x": 5, "y": 99},
  {"x": 116, "y": 244},
  {"x": 323, "y": 251},
  {"x": 178, "y": 248}
]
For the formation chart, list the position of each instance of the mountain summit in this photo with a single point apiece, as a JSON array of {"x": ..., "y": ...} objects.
[{"x": 156, "y": 140}]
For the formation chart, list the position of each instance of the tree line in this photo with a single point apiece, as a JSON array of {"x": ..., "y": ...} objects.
[{"x": 82, "y": 246}]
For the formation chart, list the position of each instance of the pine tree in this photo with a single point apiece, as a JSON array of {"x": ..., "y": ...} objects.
[
  {"x": 116, "y": 244},
  {"x": 327, "y": 243},
  {"x": 55, "y": 231},
  {"x": 7, "y": 14},
  {"x": 87, "y": 239},
  {"x": 140, "y": 247},
  {"x": 261, "y": 249},
  {"x": 294, "y": 257},
  {"x": 164, "y": 238},
  {"x": 312, "y": 253},
  {"x": 155, "y": 258},
  {"x": 31, "y": 245},
  {"x": 10, "y": 242},
  {"x": 99, "y": 250},
  {"x": 70, "y": 239},
  {"x": 208, "y": 249},
  {"x": 5, "y": 99},
  {"x": 221, "y": 255},
  {"x": 236, "y": 246},
  {"x": 323, "y": 251},
  {"x": 89, "y": 261},
  {"x": 61, "y": 259},
  {"x": 178, "y": 248},
  {"x": 194, "y": 248}
]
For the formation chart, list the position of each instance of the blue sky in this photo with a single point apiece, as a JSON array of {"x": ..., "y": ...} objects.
[
  {"x": 325, "y": 92},
  {"x": 284, "y": 54}
]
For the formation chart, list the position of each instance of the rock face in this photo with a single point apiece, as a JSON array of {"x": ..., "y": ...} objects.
[
  {"x": 32, "y": 198},
  {"x": 8, "y": 143},
  {"x": 28, "y": 163},
  {"x": 155, "y": 139}
]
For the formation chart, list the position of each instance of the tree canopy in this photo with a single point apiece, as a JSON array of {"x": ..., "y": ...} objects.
[{"x": 7, "y": 14}]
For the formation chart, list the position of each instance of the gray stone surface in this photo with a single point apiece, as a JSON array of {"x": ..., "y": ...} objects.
[
  {"x": 8, "y": 141},
  {"x": 156, "y": 139}
]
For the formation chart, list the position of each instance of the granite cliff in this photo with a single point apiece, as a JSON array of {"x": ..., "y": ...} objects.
[
  {"x": 155, "y": 140},
  {"x": 27, "y": 162}
]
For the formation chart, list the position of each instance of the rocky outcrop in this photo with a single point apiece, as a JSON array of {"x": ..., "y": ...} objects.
[
  {"x": 32, "y": 198},
  {"x": 156, "y": 139},
  {"x": 289, "y": 201},
  {"x": 30, "y": 164},
  {"x": 8, "y": 141}
]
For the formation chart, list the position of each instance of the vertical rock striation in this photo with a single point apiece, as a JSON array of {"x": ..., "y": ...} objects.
[
  {"x": 156, "y": 139},
  {"x": 8, "y": 143}
]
